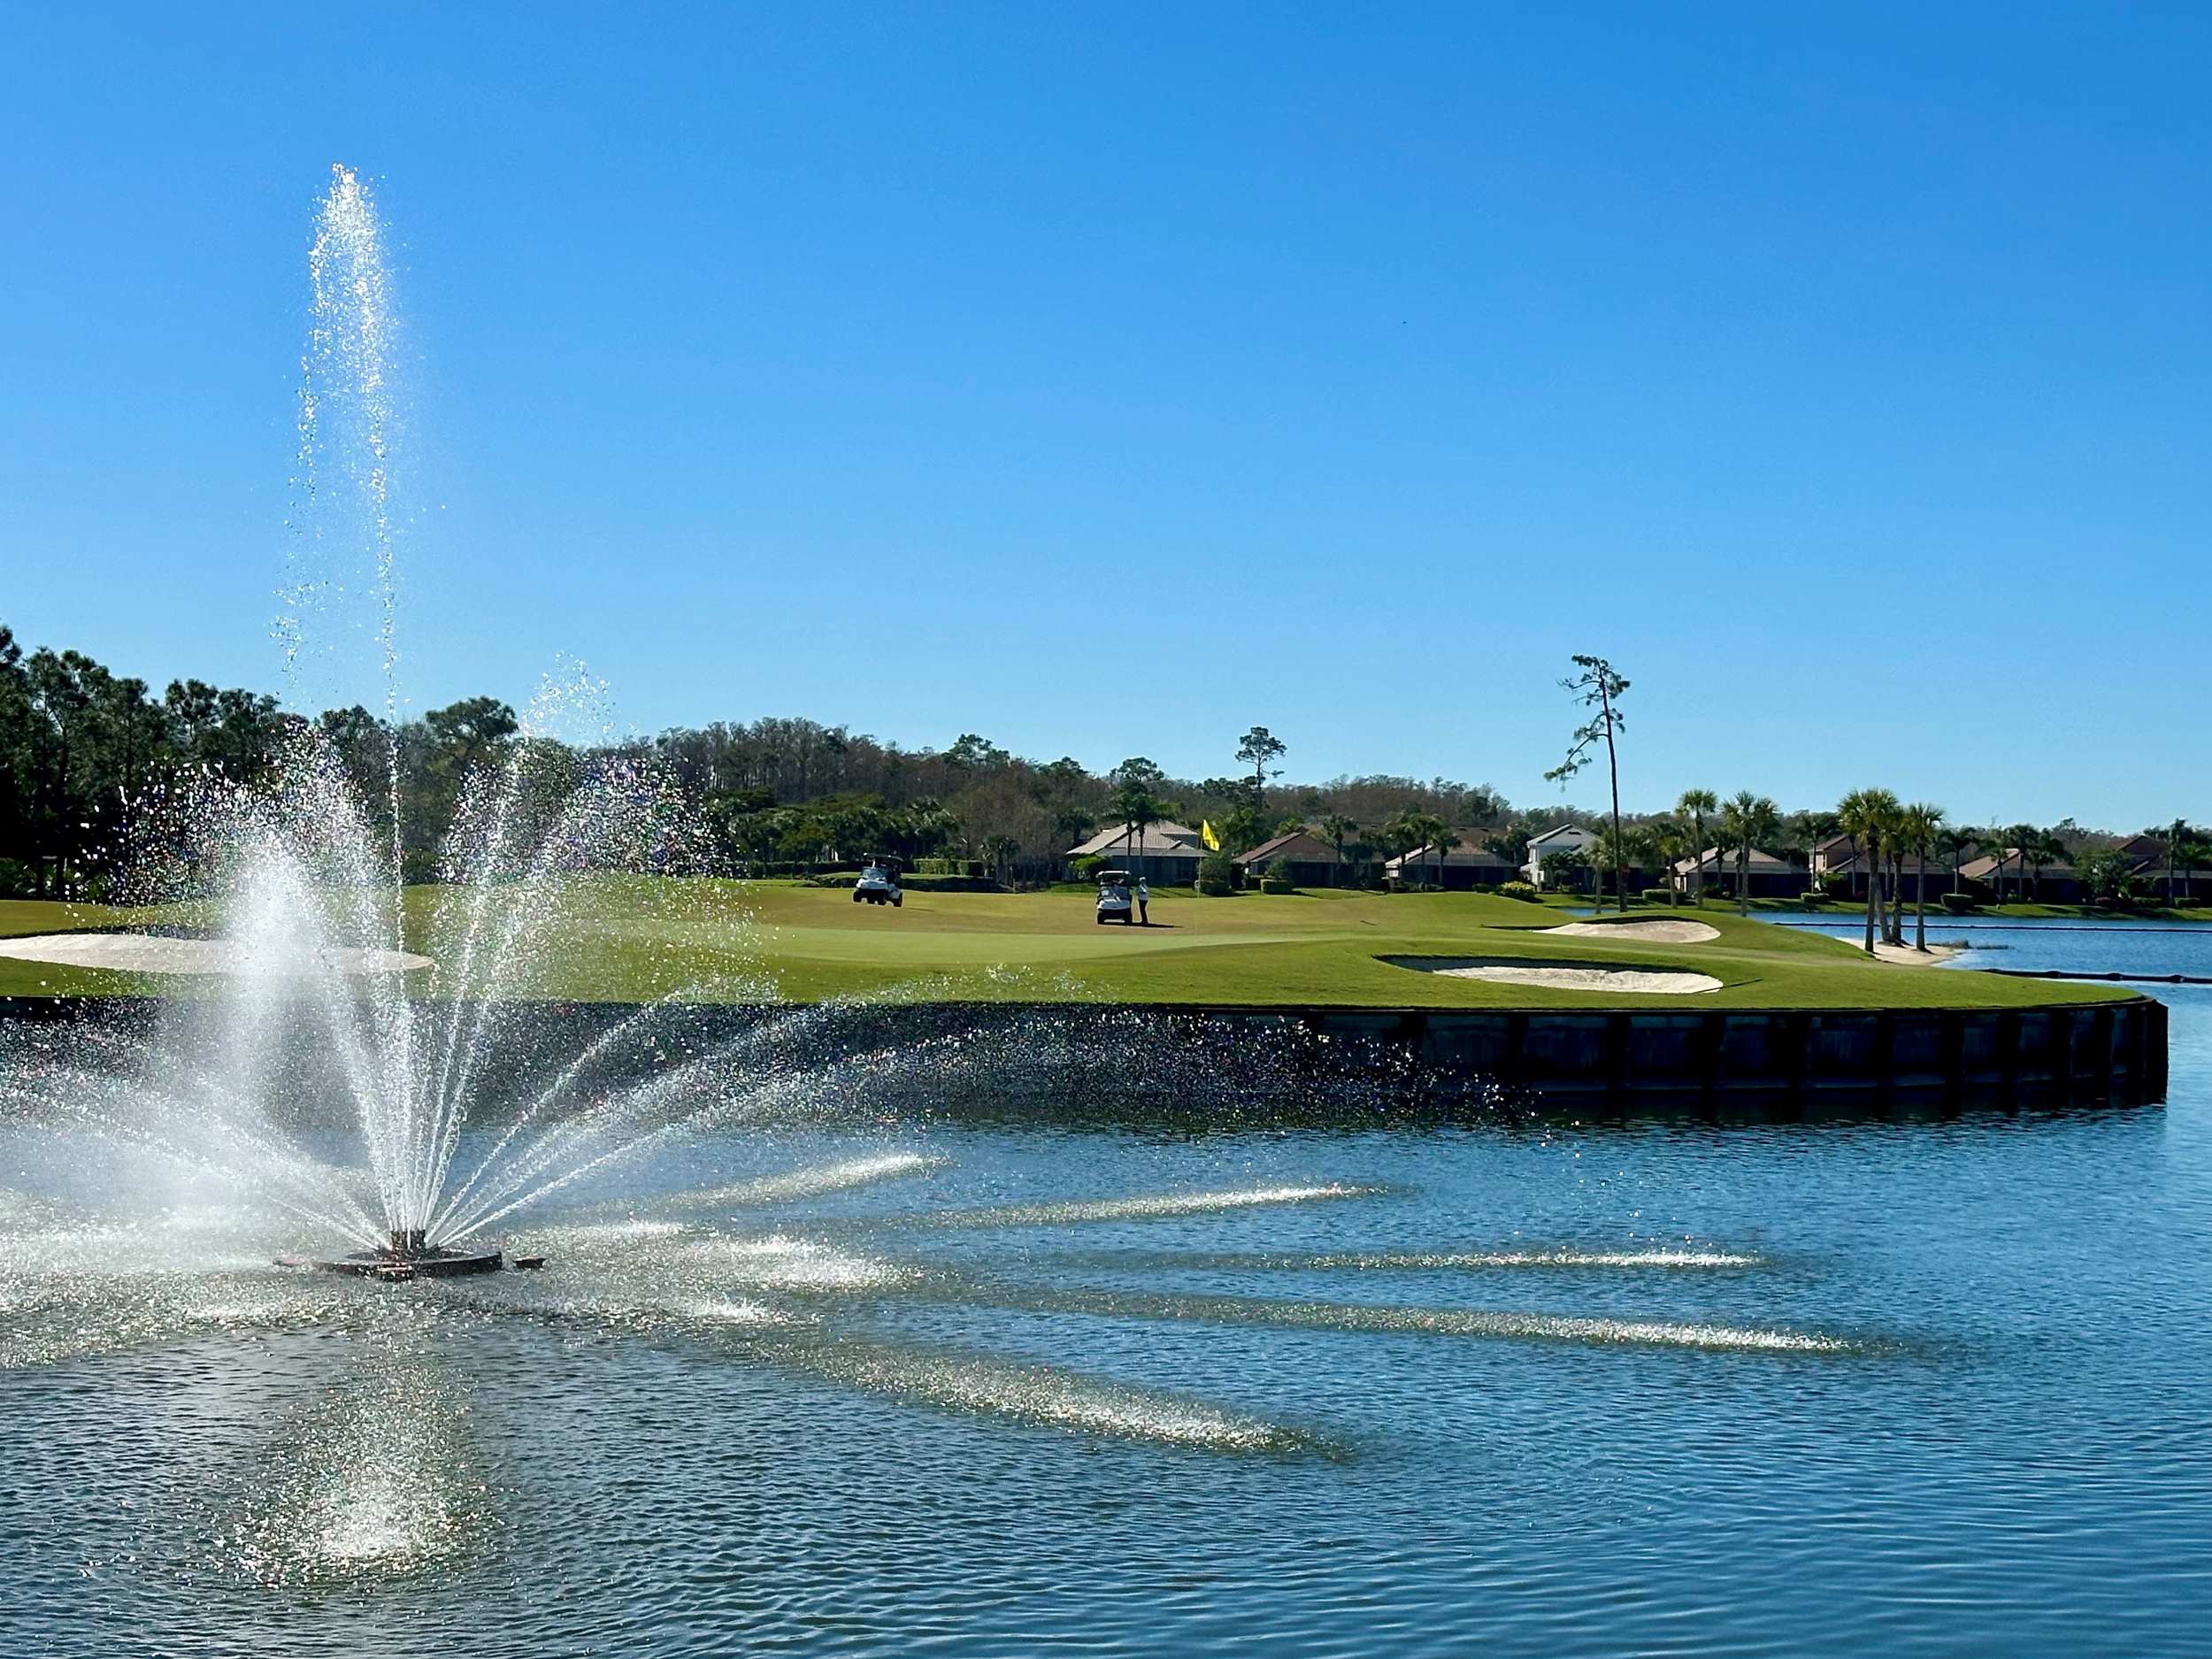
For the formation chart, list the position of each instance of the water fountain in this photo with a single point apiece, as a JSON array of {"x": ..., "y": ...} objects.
[{"x": 387, "y": 1063}]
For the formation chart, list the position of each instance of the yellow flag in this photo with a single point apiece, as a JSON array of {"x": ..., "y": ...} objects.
[{"x": 1206, "y": 836}]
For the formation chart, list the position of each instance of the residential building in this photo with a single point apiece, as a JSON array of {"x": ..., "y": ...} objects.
[
  {"x": 1166, "y": 852},
  {"x": 1566, "y": 838},
  {"x": 1309, "y": 860},
  {"x": 1766, "y": 876},
  {"x": 1464, "y": 867}
]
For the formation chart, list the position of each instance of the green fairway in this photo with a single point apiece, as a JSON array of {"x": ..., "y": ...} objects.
[{"x": 622, "y": 940}]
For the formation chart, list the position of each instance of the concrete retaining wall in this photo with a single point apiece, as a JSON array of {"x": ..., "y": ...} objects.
[{"x": 1715, "y": 1062}]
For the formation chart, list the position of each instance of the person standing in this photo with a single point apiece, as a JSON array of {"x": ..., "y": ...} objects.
[{"x": 1144, "y": 898}]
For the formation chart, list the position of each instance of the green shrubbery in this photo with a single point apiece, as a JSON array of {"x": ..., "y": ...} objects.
[
  {"x": 1657, "y": 896},
  {"x": 1269, "y": 884},
  {"x": 1517, "y": 890},
  {"x": 948, "y": 866},
  {"x": 1086, "y": 868},
  {"x": 1217, "y": 875},
  {"x": 1957, "y": 903}
]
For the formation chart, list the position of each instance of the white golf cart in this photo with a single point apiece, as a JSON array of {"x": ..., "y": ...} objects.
[
  {"x": 1114, "y": 903},
  {"x": 879, "y": 884}
]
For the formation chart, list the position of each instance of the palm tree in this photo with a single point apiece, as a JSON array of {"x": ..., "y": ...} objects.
[
  {"x": 1619, "y": 850},
  {"x": 1424, "y": 833},
  {"x": 1441, "y": 841},
  {"x": 1001, "y": 850},
  {"x": 1919, "y": 825},
  {"x": 1339, "y": 829},
  {"x": 2191, "y": 852},
  {"x": 1693, "y": 805},
  {"x": 1955, "y": 840},
  {"x": 2017, "y": 839},
  {"x": 1670, "y": 847},
  {"x": 2177, "y": 833},
  {"x": 1747, "y": 820},
  {"x": 1864, "y": 814}
]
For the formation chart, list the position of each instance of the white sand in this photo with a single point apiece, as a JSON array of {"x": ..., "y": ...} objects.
[
  {"x": 1641, "y": 982},
  {"x": 149, "y": 953},
  {"x": 1905, "y": 955},
  {"x": 1655, "y": 931}
]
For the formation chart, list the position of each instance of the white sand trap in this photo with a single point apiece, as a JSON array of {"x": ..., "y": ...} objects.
[
  {"x": 1655, "y": 931},
  {"x": 151, "y": 953},
  {"x": 1640, "y": 981}
]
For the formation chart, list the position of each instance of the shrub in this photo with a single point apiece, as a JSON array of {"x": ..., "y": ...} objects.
[
  {"x": 1217, "y": 875},
  {"x": 1812, "y": 898},
  {"x": 1270, "y": 884},
  {"x": 950, "y": 866},
  {"x": 1086, "y": 868},
  {"x": 1958, "y": 903},
  {"x": 1656, "y": 896},
  {"x": 1516, "y": 890},
  {"x": 1834, "y": 884}
]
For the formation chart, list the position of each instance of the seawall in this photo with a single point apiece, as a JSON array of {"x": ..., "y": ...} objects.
[{"x": 1730, "y": 1062}]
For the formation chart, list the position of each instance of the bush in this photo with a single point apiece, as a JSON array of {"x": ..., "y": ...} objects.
[
  {"x": 1832, "y": 884},
  {"x": 1086, "y": 868},
  {"x": 1217, "y": 875},
  {"x": 1269, "y": 884},
  {"x": 1275, "y": 877},
  {"x": 1657, "y": 896},
  {"x": 1812, "y": 898},
  {"x": 1958, "y": 903},
  {"x": 1516, "y": 890},
  {"x": 949, "y": 866}
]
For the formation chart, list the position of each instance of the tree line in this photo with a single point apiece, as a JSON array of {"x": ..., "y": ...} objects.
[{"x": 82, "y": 748}]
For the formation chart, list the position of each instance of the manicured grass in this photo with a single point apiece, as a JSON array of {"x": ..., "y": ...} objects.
[{"x": 628, "y": 940}]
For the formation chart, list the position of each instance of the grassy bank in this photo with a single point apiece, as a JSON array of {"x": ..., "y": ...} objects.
[{"x": 630, "y": 941}]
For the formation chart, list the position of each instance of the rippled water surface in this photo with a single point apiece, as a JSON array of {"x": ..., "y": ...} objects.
[{"x": 1513, "y": 1389}]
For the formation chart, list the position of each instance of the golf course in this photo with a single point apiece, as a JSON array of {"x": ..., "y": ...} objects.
[{"x": 630, "y": 940}]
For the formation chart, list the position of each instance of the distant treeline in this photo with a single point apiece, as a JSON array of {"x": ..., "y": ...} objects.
[{"x": 82, "y": 748}]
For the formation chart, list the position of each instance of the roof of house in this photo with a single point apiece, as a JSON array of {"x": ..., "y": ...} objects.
[
  {"x": 1299, "y": 846},
  {"x": 2146, "y": 845},
  {"x": 1760, "y": 863},
  {"x": 1989, "y": 863},
  {"x": 1166, "y": 837},
  {"x": 1573, "y": 834},
  {"x": 1468, "y": 854}
]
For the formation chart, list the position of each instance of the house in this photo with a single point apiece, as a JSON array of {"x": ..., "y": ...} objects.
[
  {"x": 1166, "y": 851},
  {"x": 2146, "y": 862},
  {"x": 1839, "y": 856},
  {"x": 2010, "y": 877},
  {"x": 1766, "y": 876},
  {"x": 1566, "y": 838},
  {"x": 1307, "y": 859},
  {"x": 1467, "y": 865}
]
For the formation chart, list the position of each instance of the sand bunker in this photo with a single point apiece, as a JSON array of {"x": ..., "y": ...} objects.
[
  {"x": 1655, "y": 931},
  {"x": 1563, "y": 977},
  {"x": 151, "y": 953}
]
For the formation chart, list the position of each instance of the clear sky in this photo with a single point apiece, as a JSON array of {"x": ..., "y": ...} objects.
[{"x": 1106, "y": 379}]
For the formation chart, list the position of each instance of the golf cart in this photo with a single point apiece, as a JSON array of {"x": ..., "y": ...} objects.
[
  {"x": 878, "y": 883},
  {"x": 1114, "y": 903}
]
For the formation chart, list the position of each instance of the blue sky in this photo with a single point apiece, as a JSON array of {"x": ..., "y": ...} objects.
[{"x": 1108, "y": 380}]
